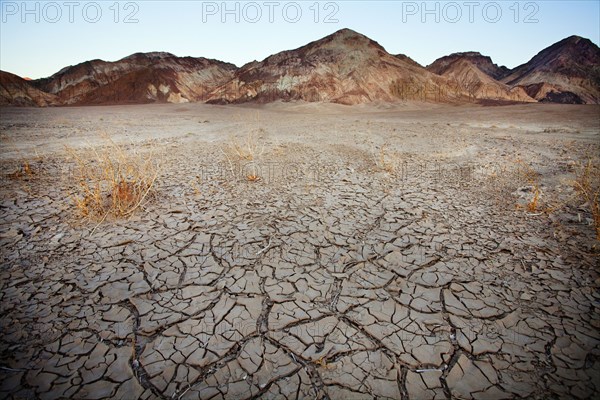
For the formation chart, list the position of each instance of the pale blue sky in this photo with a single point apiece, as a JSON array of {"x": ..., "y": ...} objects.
[{"x": 203, "y": 29}]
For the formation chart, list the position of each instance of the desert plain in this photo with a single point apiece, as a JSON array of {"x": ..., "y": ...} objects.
[{"x": 303, "y": 250}]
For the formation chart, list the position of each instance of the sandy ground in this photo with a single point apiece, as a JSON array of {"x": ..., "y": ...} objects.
[{"x": 385, "y": 251}]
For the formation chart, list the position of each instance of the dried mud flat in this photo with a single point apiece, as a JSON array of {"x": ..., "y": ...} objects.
[{"x": 385, "y": 252}]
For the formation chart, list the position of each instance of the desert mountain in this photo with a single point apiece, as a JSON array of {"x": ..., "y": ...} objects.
[
  {"x": 483, "y": 63},
  {"x": 139, "y": 78},
  {"x": 471, "y": 72},
  {"x": 345, "y": 67},
  {"x": 17, "y": 91},
  {"x": 566, "y": 72}
]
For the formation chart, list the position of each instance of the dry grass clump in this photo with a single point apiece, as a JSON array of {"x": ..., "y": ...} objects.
[
  {"x": 112, "y": 181},
  {"x": 518, "y": 181},
  {"x": 386, "y": 160},
  {"x": 27, "y": 167},
  {"x": 253, "y": 175},
  {"x": 531, "y": 176},
  {"x": 24, "y": 170},
  {"x": 533, "y": 204},
  {"x": 249, "y": 149},
  {"x": 244, "y": 155},
  {"x": 587, "y": 186}
]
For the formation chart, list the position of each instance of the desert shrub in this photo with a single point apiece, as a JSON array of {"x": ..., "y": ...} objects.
[
  {"x": 243, "y": 155},
  {"x": 529, "y": 175},
  {"x": 587, "y": 186},
  {"x": 24, "y": 170},
  {"x": 385, "y": 160},
  {"x": 112, "y": 181}
]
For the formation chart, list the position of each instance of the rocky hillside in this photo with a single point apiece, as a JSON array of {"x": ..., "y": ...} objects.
[
  {"x": 345, "y": 67},
  {"x": 139, "y": 78},
  {"x": 467, "y": 75},
  {"x": 483, "y": 63},
  {"x": 19, "y": 92},
  {"x": 566, "y": 72}
]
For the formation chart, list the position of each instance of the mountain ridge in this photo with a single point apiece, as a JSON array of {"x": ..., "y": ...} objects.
[
  {"x": 138, "y": 77},
  {"x": 571, "y": 66},
  {"x": 484, "y": 63},
  {"x": 17, "y": 91},
  {"x": 345, "y": 67}
]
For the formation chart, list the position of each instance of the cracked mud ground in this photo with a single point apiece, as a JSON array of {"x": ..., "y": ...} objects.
[{"x": 327, "y": 278}]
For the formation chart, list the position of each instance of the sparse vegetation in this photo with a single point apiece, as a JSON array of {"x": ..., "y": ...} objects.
[
  {"x": 244, "y": 155},
  {"x": 112, "y": 181},
  {"x": 24, "y": 170},
  {"x": 587, "y": 186},
  {"x": 531, "y": 177},
  {"x": 533, "y": 205},
  {"x": 27, "y": 167},
  {"x": 248, "y": 149},
  {"x": 253, "y": 176},
  {"x": 385, "y": 160}
]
